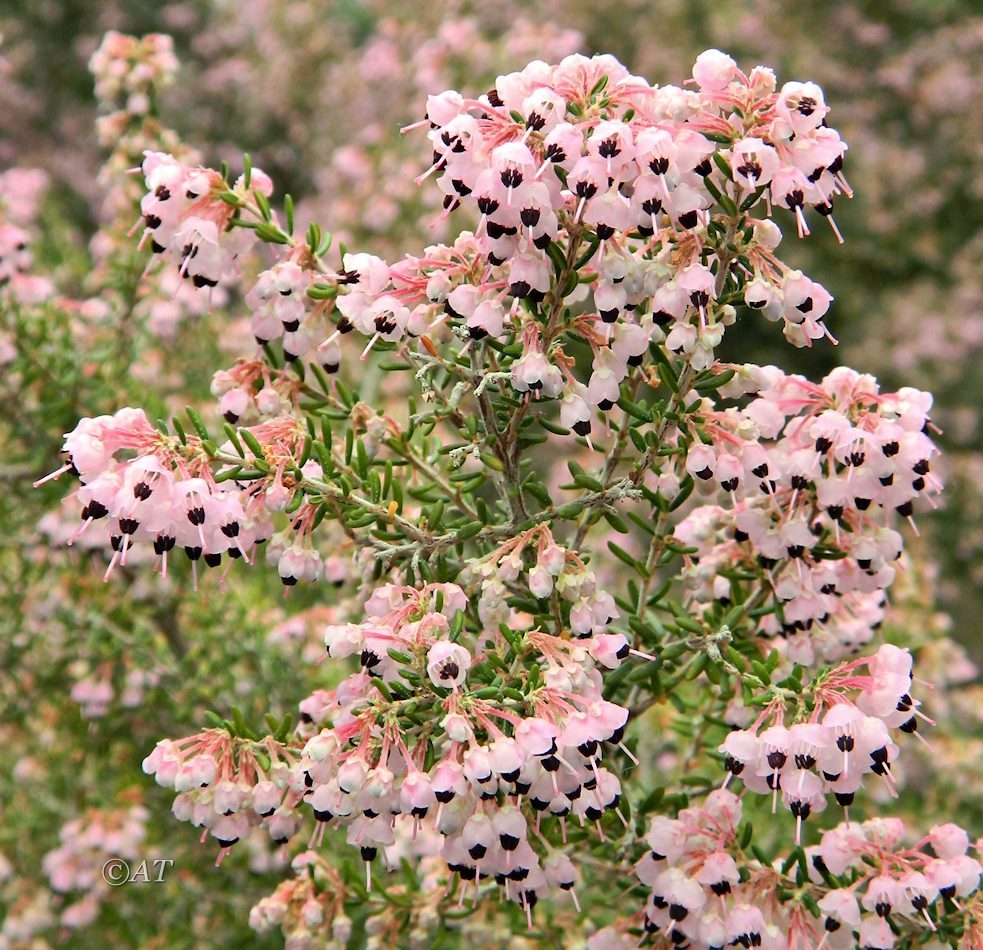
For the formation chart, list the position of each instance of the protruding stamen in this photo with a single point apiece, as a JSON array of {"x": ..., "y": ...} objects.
[
  {"x": 368, "y": 347},
  {"x": 67, "y": 467}
]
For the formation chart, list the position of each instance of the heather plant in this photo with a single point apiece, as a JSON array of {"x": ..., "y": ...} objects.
[
  {"x": 602, "y": 613},
  {"x": 902, "y": 77}
]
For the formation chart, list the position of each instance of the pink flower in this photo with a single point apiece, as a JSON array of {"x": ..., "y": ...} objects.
[
  {"x": 714, "y": 71},
  {"x": 447, "y": 664}
]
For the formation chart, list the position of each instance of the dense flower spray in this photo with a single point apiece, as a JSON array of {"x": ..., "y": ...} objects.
[{"x": 605, "y": 234}]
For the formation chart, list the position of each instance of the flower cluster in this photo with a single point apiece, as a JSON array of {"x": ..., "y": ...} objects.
[
  {"x": 631, "y": 156},
  {"x": 282, "y": 310},
  {"x": 699, "y": 897},
  {"x": 706, "y": 893},
  {"x": 889, "y": 884},
  {"x": 309, "y": 906},
  {"x": 185, "y": 216},
  {"x": 96, "y": 692},
  {"x": 813, "y": 472},
  {"x": 369, "y": 771},
  {"x": 131, "y": 69},
  {"x": 489, "y": 775},
  {"x": 152, "y": 495},
  {"x": 227, "y": 786},
  {"x": 547, "y": 567},
  {"x": 87, "y": 842},
  {"x": 555, "y": 152},
  {"x": 248, "y": 392},
  {"x": 562, "y": 165},
  {"x": 130, "y": 74},
  {"x": 846, "y": 738},
  {"x": 145, "y": 486}
]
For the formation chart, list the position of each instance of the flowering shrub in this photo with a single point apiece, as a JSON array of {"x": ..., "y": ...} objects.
[{"x": 559, "y": 522}]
